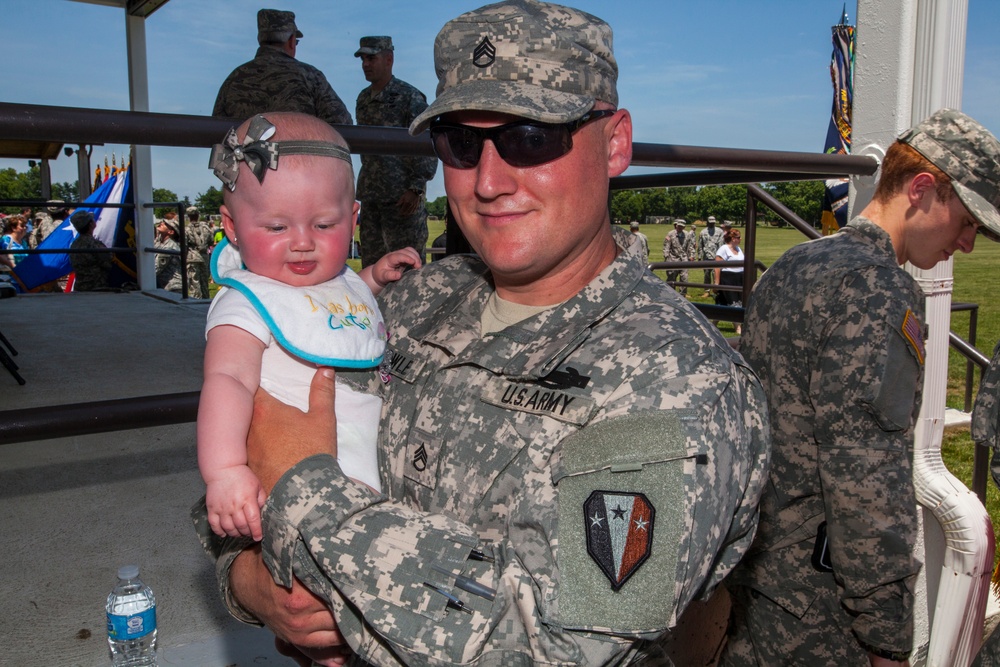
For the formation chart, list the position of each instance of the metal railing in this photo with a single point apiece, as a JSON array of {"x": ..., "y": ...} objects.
[{"x": 716, "y": 166}]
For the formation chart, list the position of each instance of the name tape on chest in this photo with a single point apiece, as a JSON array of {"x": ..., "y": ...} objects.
[{"x": 540, "y": 400}]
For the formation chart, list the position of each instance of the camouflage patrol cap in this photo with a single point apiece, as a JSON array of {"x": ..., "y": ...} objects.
[
  {"x": 711, "y": 219},
  {"x": 171, "y": 223},
  {"x": 81, "y": 220},
  {"x": 967, "y": 152},
  {"x": 532, "y": 59},
  {"x": 191, "y": 209},
  {"x": 275, "y": 25},
  {"x": 373, "y": 45}
]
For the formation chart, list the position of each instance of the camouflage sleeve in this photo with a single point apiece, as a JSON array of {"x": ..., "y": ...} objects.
[
  {"x": 329, "y": 106},
  {"x": 865, "y": 391},
  {"x": 223, "y": 551},
  {"x": 418, "y": 170},
  {"x": 985, "y": 429},
  {"x": 535, "y": 594}
]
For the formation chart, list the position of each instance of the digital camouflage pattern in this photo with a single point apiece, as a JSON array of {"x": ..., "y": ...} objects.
[
  {"x": 91, "y": 269},
  {"x": 970, "y": 155},
  {"x": 488, "y": 59},
  {"x": 496, "y": 444},
  {"x": 679, "y": 246},
  {"x": 834, "y": 331},
  {"x": 709, "y": 240},
  {"x": 275, "y": 81},
  {"x": 384, "y": 178},
  {"x": 168, "y": 267},
  {"x": 197, "y": 236},
  {"x": 985, "y": 428}
]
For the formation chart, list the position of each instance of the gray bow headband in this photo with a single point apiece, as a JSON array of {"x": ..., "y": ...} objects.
[{"x": 261, "y": 154}]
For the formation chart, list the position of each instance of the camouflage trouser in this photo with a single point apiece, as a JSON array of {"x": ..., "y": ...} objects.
[
  {"x": 197, "y": 275},
  {"x": 989, "y": 652},
  {"x": 761, "y": 632},
  {"x": 383, "y": 230},
  {"x": 680, "y": 276}
]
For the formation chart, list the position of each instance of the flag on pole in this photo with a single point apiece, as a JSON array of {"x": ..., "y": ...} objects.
[
  {"x": 838, "y": 136},
  {"x": 36, "y": 270}
]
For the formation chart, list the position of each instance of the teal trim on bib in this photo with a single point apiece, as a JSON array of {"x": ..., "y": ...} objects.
[{"x": 336, "y": 323}]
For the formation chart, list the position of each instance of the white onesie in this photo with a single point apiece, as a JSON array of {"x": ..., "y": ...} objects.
[{"x": 336, "y": 323}]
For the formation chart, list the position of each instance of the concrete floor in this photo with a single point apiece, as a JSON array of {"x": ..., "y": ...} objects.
[{"x": 72, "y": 510}]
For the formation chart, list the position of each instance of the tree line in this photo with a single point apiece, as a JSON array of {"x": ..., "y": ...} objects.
[{"x": 725, "y": 202}]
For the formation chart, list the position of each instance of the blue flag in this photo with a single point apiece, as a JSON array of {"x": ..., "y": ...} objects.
[
  {"x": 838, "y": 136},
  {"x": 36, "y": 270}
]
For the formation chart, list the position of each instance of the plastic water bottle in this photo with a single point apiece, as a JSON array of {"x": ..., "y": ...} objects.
[{"x": 131, "y": 621}]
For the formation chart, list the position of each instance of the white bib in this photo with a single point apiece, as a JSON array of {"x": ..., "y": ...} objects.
[{"x": 336, "y": 323}]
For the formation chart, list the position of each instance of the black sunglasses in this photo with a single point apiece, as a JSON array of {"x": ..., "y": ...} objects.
[{"x": 524, "y": 143}]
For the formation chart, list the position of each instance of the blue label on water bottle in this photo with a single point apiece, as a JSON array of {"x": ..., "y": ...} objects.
[{"x": 122, "y": 628}]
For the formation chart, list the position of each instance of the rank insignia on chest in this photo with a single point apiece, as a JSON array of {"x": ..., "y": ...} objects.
[{"x": 619, "y": 528}]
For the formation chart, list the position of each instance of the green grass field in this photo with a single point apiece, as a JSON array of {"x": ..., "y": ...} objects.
[{"x": 972, "y": 285}]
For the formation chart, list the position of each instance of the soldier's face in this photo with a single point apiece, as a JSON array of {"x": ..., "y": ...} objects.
[
  {"x": 542, "y": 230},
  {"x": 296, "y": 226},
  {"x": 378, "y": 67},
  {"x": 945, "y": 227}
]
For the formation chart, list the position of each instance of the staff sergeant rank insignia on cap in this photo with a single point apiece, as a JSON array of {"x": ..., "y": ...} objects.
[
  {"x": 485, "y": 54},
  {"x": 619, "y": 533}
]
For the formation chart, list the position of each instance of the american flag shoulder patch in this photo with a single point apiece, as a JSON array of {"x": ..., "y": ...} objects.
[{"x": 913, "y": 331}]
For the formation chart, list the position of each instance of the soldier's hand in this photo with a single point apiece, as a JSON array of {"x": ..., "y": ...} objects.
[
  {"x": 281, "y": 435},
  {"x": 408, "y": 203},
  {"x": 295, "y": 615}
]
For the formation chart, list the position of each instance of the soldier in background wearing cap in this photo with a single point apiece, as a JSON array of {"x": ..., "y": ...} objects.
[
  {"x": 643, "y": 239},
  {"x": 168, "y": 265},
  {"x": 57, "y": 212},
  {"x": 275, "y": 81},
  {"x": 570, "y": 453},
  {"x": 391, "y": 188},
  {"x": 678, "y": 246},
  {"x": 197, "y": 236},
  {"x": 709, "y": 241},
  {"x": 835, "y": 330},
  {"x": 91, "y": 269}
]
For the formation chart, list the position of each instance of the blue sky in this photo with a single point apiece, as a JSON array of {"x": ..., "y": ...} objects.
[{"x": 729, "y": 73}]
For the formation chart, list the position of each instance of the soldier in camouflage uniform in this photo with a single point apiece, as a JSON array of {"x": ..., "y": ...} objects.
[
  {"x": 834, "y": 328},
  {"x": 275, "y": 81},
  {"x": 678, "y": 246},
  {"x": 985, "y": 431},
  {"x": 168, "y": 267},
  {"x": 709, "y": 241},
  {"x": 197, "y": 236},
  {"x": 91, "y": 269},
  {"x": 391, "y": 188},
  {"x": 56, "y": 213},
  {"x": 570, "y": 453}
]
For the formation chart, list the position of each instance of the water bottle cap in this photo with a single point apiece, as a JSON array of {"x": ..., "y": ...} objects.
[{"x": 128, "y": 572}]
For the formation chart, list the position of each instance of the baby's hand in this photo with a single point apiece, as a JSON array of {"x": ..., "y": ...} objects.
[
  {"x": 391, "y": 267},
  {"x": 234, "y": 498}
]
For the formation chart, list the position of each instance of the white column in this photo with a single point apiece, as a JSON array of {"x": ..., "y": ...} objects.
[{"x": 142, "y": 171}]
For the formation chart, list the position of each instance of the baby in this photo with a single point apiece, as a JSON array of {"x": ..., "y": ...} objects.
[{"x": 289, "y": 304}]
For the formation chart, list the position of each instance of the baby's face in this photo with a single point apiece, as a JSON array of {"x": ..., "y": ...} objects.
[{"x": 296, "y": 226}]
